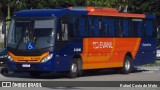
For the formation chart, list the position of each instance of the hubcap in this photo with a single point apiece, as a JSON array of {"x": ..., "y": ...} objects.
[
  {"x": 74, "y": 68},
  {"x": 127, "y": 65}
]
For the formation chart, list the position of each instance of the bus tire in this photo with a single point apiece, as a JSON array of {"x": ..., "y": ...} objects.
[
  {"x": 4, "y": 71},
  {"x": 35, "y": 74},
  {"x": 127, "y": 65},
  {"x": 79, "y": 66},
  {"x": 73, "y": 72}
]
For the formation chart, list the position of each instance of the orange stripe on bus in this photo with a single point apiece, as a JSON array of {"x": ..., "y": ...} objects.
[
  {"x": 28, "y": 58},
  {"x": 136, "y": 47},
  {"x": 117, "y": 14},
  {"x": 100, "y": 52}
]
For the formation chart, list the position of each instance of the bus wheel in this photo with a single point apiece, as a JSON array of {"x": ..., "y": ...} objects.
[
  {"x": 127, "y": 65},
  {"x": 35, "y": 74},
  {"x": 73, "y": 73},
  {"x": 4, "y": 71},
  {"x": 79, "y": 66}
]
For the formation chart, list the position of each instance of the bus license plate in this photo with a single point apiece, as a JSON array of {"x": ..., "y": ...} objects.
[{"x": 26, "y": 65}]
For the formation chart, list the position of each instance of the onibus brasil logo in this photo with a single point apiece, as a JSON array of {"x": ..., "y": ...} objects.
[{"x": 21, "y": 84}]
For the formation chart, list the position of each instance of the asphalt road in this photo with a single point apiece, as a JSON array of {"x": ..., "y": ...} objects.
[
  {"x": 141, "y": 73},
  {"x": 147, "y": 73}
]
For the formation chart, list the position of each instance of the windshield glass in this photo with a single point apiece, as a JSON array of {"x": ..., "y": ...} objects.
[{"x": 39, "y": 32}]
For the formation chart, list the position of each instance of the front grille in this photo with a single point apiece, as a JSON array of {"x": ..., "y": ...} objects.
[
  {"x": 27, "y": 53},
  {"x": 28, "y": 60}
]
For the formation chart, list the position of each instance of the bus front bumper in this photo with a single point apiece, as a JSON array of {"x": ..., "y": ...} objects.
[{"x": 14, "y": 66}]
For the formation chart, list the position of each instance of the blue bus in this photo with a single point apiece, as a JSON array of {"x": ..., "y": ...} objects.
[{"x": 79, "y": 38}]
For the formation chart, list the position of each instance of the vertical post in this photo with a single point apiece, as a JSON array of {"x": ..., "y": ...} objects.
[
  {"x": 8, "y": 17},
  {"x": 7, "y": 24},
  {"x": 4, "y": 32}
]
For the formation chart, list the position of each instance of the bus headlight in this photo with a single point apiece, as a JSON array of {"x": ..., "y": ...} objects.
[
  {"x": 10, "y": 58},
  {"x": 45, "y": 59}
]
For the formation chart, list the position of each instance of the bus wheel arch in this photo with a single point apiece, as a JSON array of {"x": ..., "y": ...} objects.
[
  {"x": 127, "y": 63},
  {"x": 129, "y": 54},
  {"x": 75, "y": 67}
]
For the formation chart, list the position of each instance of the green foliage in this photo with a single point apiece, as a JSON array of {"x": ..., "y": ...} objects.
[
  {"x": 102, "y": 3},
  {"x": 145, "y": 6}
]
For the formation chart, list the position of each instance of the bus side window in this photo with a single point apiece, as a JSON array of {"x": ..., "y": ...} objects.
[
  {"x": 74, "y": 27},
  {"x": 106, "y": 31},
  {"x": 149, "y": 28},
  {"x": 130, "y": 28},
  {"x": 134, "y": 28},
  {"x": 155, "y": 29},
  {"x": 59, "y": 32},
  {"x": 62, "y": 34},
  {"x": 82, "y": 27},
  {"x": 140, "y": 29},
  {"x": 64, "y": 30},
  {"x": 96, "y": 26},
  {"x": 119, "y": 25},
  {"x": 111, "y": 27},
  {"x": 90, "y": 26},
  {"x": 125, "y": 28}
]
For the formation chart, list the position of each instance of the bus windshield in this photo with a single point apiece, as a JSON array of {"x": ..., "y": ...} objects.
[{"x": 38, "y": 31}]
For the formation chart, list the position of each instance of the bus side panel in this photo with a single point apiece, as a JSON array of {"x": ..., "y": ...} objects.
[
  {"x": 146, "y": 53},
  {"x": 65, "y": 51},
  {"x": 107, "y": 52}
]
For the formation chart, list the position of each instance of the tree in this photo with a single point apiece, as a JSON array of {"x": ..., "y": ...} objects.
[
  {"x": 102, "y": 3},
  {"x": 145, "y": 6},
  {"x": 0, "y": 8},
  {"x": 8, "y": 6}
]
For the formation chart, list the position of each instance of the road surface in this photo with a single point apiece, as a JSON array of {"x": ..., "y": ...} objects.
[{"x": 143, "y": 73}]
